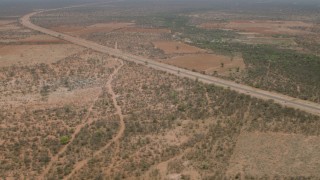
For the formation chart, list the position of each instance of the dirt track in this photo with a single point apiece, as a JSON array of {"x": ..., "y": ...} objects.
[
  {"x": 119, "y": 134},
  {"x": 88, "y": 121},
  {"x": 288, "y": 101}
]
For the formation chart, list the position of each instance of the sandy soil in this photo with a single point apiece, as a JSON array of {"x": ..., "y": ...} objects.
[
  {"x": 263, "y": 27},
  {"x": 207, "y": 63},
  {"x": 31, "y": 54},
  {"x": 174, "y": 47},
  {"x": 261, "y": 154}
]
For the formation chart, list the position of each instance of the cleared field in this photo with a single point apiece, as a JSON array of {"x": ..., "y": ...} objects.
[
  {"x": 259, "y": 154},
  {"x": 32, "y": 54},
  {"x": 174, "y": 47},
  {"x": 263, "y": 27},
  {"x": 208, "y": 63}
]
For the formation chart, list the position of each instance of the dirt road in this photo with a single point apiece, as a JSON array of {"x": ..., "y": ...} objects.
[{"x": 284, "y": 100}]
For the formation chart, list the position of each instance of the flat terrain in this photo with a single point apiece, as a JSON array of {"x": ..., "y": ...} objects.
[{"x": 131, "y": 90}]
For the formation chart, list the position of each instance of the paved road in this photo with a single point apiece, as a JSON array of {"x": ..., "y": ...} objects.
[{"x": 288, "y": 101}]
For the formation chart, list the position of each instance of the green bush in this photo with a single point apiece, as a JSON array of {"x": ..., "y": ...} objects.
[{"x": 64, "y": 140}]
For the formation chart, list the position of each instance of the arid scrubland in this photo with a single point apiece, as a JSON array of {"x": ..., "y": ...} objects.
[
  {"x": 67, "y": 112},
  {"x": 43, "y": 105},
  {"x": 173, "y": 127},
  {"x": 182, "y": 128},
  {"x": 45, "y": 101}
]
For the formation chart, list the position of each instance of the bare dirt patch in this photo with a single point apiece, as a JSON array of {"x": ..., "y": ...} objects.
[
  {"x": 259, "y": 154},
  {"x": 263, "y": 27},
  {"x": 174, "y": 47},
  {"x": 208, "y": 63},
  {"x": 31, "y": 54}
]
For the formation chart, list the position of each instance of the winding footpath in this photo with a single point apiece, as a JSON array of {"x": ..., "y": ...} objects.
[{"x": 85, "y": 121}]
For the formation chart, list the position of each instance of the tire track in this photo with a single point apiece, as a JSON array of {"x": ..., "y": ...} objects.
[{"x": 79, "y": 165}]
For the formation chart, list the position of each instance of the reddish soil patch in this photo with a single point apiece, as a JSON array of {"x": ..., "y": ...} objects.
[
  {"x": 208, "y": 63},
  {"x": 260, "y": 154},
  {"x": 173, "y": 47}
]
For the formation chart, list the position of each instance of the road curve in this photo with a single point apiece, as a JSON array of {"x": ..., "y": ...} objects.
[{"x": 284, "y": 100}]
